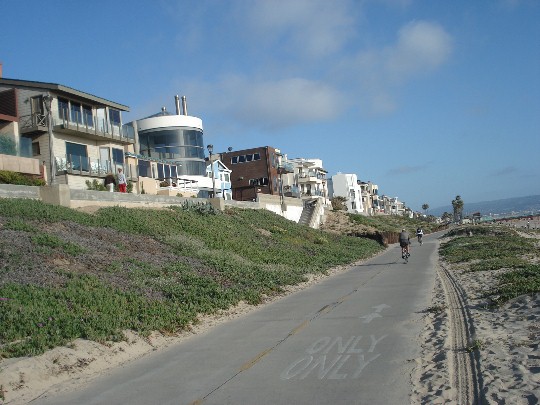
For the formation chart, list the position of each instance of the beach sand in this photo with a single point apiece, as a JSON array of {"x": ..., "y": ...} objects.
[{"x": 505, "y": 341}]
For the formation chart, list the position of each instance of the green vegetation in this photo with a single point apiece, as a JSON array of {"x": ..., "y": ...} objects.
[
  {"x": 65, "y": 274},
  {"x": 494, "y": 248},
  {"x": 7, "y": 177},
  {"x": 395, "y": 223}
]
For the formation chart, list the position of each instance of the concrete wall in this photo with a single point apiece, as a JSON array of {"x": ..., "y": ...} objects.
[
  {"x": 19, "y": 164},
  {"x": 15, "y": 191},
  {"x": 62, "y": 194},
  {"x": 291, "y": 209},
  {"x": 86, "y": 198}
]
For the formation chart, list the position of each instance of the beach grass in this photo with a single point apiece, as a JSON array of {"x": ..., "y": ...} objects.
[{"x": 493, "y": 248}]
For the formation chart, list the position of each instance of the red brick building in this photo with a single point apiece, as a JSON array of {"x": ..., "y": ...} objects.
[{"x": 253, "y": 171}]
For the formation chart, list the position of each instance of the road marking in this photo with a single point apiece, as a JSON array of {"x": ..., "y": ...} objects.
[{"x": 329, "y": 358}]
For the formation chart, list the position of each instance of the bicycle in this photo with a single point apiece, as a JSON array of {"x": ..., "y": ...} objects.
[{"x": 405, "y": 253}]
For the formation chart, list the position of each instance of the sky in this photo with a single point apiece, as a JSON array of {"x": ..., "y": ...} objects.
[{"x": 428, "y": 99}]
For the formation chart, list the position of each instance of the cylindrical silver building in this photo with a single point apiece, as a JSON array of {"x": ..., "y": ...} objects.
[{"x": 175, "y": 138}]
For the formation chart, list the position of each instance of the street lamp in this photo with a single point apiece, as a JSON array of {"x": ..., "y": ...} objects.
[
  {"x": 210, "y": 150},
  {"x": 47, "y": 99}
]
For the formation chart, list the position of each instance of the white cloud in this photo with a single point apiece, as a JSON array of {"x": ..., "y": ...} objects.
[
  {"x": 421, "y": 46},
  {"x": 313, "y": 28},
  {"x": 271, "y": 104}
]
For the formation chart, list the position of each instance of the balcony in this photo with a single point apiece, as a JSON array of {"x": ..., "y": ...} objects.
[
  {"x": 86, "y": 166},
  {"x": 285, "y": 167},
  {"x": 311, "y": 177},
  {"x": 89, "y": 127},
  {"x": 34, "y": 124},
  {"x": 94, "y": 128}
]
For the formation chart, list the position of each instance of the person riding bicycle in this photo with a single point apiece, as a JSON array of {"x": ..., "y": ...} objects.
[
  {"x": 404, "y": 242},
  {"x": 419, "y": 234}
]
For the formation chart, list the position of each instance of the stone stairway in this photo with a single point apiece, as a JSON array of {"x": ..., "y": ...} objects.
[{"x": 307, "y": 213}]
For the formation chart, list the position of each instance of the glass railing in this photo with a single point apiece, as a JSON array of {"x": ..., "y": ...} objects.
[
  {"x": 83, "y": 165},
  {"x": 92, "y": 124}
]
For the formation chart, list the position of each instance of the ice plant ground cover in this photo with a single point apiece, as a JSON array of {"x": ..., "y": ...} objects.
[{"x": 66, "y": 274}]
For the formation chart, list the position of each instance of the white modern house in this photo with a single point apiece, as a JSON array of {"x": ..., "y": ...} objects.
[
  {"x": 346, "y": 185},
  {"x": 308, "y": 179}
]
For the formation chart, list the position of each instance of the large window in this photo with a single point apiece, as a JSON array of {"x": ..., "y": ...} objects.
[
  {"x": 118, "y": 156},
  {"x": 176, "y": 145},
  {"x": 114, "y": 117},
  {"x": 88, "y": 119},
  {"x": 77, "y": 156},
  {"x": 76, "y": 115},
  {"x": 63, "y": 108},
  {"x": 145, "y": 168}
]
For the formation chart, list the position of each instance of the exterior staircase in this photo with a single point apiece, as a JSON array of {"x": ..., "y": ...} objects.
[{"x": 307, "y": 213}]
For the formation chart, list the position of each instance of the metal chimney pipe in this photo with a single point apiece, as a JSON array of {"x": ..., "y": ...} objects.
[
  {"x": 177, "y": 103},
  {"x": 184, "y": 105}
]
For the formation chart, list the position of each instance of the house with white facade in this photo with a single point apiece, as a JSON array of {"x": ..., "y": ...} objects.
[
  {"x": 346, "y": 185},
  {"x": 306, "y": 179}
]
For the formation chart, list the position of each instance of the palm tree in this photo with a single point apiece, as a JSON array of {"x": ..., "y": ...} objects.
[
  {"x": 457, "y": 204},
  {"x": 425, "y": 207}
]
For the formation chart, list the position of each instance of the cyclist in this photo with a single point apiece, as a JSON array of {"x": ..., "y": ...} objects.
[
  {"x": 404, "y": 242},
  {"x": 419, "y": 234}
]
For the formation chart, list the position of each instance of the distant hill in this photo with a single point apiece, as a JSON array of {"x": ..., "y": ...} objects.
[{"x": 523, "y": 205}]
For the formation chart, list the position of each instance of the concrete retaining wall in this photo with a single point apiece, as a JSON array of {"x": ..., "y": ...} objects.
[
  {"x": 62, "y": 194},
  {"x": 14, "y": 191}
]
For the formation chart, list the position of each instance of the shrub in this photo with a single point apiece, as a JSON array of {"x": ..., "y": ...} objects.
[
  {"x": 8, "y": 177},
  {"x": 338, "y": 203},
  {"x": 95, "y": 185}
]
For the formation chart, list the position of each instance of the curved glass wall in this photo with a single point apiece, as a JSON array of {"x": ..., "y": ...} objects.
[{"x": 183, "y": 145}]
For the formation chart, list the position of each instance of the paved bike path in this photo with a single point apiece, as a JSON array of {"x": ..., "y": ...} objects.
[{"x": 348, "y": 340}]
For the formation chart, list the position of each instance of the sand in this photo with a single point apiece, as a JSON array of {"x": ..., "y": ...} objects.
[{"x": 506, "y": 343}]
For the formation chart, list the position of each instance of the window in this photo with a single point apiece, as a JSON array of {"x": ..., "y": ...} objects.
[
  {"x": 174, "y": 172},
  {"x": 262, "y": 181},
  {"x": 75, "y": 110},
  {"x": 88, "y": 119},
  {"x": 77, "y": 156},
  {"x": 234, "y": 160},
  {"x": 63, "y": 108},
  {"x": 114, "y": 117},
  {"x": 144, "y": 168},
  {"x": 242, "y": 159},
  {"x": 249, "y": 158},
  {"x": 161, "y": 171},
  {"x": 36, "y": 151},
  {"x": 256, "y": 156},
  {"x": 225, "y": 177},
  {"x": 118, "y": 156}
]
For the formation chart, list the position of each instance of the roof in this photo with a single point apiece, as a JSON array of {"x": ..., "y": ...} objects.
[{"x": 64, "y": 90}]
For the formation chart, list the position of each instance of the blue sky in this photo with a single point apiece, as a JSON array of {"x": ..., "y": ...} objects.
[{"x": 427, "y": 99}]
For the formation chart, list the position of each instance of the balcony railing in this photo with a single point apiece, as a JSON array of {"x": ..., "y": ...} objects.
[
  {"x": 90, "y": 124},
  {"x": 285, "y": 167},
  {"x": 82, "y": 165},
  {"x": 33, "y": 121}
]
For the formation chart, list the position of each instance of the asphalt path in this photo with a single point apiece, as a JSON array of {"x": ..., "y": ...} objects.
[{"x": 350, "y": 339}]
